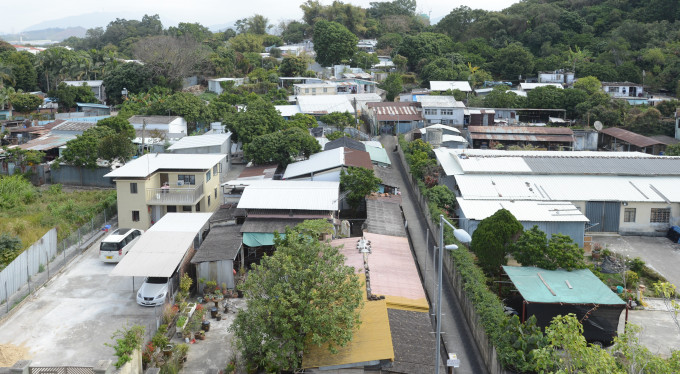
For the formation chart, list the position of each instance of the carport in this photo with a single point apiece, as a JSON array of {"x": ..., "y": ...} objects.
[{"x": 166, "y": 246}]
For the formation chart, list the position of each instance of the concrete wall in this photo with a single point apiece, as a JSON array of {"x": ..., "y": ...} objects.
[
  {"x": 128, "y": 202},
  {"x": 73, "y": 175},
  {"x": 642, "y": 226},
  {"x": 134, "y": 366},
  {"x": 224, "y": 149},
  {"x": 585, "y": 140}
]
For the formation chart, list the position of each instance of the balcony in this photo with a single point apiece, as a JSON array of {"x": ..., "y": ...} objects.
[{"x": 174, "y": 196}]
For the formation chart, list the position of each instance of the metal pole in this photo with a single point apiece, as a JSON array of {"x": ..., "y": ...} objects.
[{"x": 439, "y": 294}]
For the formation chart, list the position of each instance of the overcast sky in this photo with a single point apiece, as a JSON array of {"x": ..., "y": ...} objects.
[{"x": 20, "y": 15}]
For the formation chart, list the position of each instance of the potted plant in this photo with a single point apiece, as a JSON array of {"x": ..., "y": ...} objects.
[
  {"x": 597, "y": 251},
  {"x": 181, "y": 351},
  {"x": 167, "y": 350},
  {"x": 224, "y": 289}
]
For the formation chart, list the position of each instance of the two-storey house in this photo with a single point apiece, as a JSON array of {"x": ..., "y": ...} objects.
[{"x": 156, "y": 184}]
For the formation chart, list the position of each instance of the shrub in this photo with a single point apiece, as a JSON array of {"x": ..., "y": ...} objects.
[{"x": 127, "y": 340}]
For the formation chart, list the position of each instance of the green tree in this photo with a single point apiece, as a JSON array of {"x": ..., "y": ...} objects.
[
  {"x": 673, "y": 150},
  {"x": 393, "y": 85},
  {"x": 534, "y": 249},
  {"x": 302, "y": 295},
  {"x": 364, "y": 60},
  {"x": 247, "y": 43},
  {"x": 568, "y": 352},
  {"x": 293, "y": 32},
  {"x": 513, "y": 61},
  {"x": 338, "y": 119},
  {"x": 196, "y": 31},
  {"x": 588, "y": 84},
  {"x": 281, "y": 147},
  {"x": 25, "y": 103},
  {"x": 500, "y": 97},
  {"x": 301, "y": 120},
  {"x": 517, "y": 340},
  {"x": 425, "y": 45},
  {"x": 22, "y": 66},
  {"x": 441, "y": 69},
  {"x": 333, "y": 43},
  {"x": 492, "y": 238},
  {"x": 133, "y": 77},
  {"x": 259, "y": 118},
  {"x": 336, "y": 135},
  {"x": 358, "y": 182},
  {"x": 547, "y": 97},
  {"x": 10, "y": 248},
  {"x": 99, "y": 142},
  {"x": 67, "y": 96},
  {"x": 119, "y": 125},
  {"x": 293, "y": 66},
  {"x": 420, "y": 157}
]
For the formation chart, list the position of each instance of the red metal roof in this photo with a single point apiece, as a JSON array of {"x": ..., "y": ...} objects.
[
  {"x": 630, "y": 137},
  {"x": 357, "y": 158}
]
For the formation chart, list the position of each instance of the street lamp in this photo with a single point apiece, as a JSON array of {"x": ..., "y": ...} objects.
[{"x": 462, "y": 236}]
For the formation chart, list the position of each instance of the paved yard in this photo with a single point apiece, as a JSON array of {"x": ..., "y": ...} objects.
[
  {"x": 659, "y": 333},
  {"x": 659, "y": 253},
  {"x": 68, "y": 321}
]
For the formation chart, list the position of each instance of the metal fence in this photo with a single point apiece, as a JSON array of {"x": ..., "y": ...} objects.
[
  {"x": 61, "y": 370},
  {"x": 39, "y": 263}
]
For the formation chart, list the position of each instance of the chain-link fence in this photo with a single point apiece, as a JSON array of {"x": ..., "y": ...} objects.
[{"x": 68, "y": 248}]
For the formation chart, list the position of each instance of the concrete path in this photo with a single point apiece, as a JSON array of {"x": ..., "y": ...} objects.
[
  {"x": 659, "y": 253},
  {"x": 455, "y": 331}
]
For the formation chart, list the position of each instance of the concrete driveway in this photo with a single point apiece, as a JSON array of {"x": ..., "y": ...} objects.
[
  {"x": 659, "y": 253},
  {"x": 68, "y": 321}
]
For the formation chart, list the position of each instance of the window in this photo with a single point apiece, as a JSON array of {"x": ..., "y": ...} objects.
[
  {"x": 313, "y": 90},
  {"x": 216, "y": 192},
  {"x": 186, "y": 208},
  {"x": 172, "y": 209},
  {"x": 325, "y": 90},
  {"x": 207, "y": 176},
  {"x": 447, "y": 112},
  {"x": 135, "y": 216},
  {"x": 215, "y": 168},
  {"x": 306, "y": 90},
  {"x": 133, "y": 187},
  {"x": 660, "y": 215},
  {"x": 430, "y": 112},
  {"x": 187, "y": 178},
  {"x": 208, "y": 200},
  {"x": 629, "y": 215},
  {"x": 613, "y": 89}
]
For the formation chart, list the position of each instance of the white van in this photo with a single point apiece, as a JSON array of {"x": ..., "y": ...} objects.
[{"x": 116, "y": 245}]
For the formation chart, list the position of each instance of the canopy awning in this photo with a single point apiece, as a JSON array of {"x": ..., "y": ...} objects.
[
  {"x": 259, "y": 239},
  {"x": 156, "y": 254}
]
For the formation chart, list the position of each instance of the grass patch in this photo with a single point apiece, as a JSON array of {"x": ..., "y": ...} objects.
[{"x": 29, "y": 212}]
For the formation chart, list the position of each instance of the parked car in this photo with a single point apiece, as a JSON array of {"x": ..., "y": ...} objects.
[
  {"x": 154, "y": 291},
  {"x": 117, "y": 244}
]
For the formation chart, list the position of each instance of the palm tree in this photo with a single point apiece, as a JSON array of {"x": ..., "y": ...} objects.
[
  {"x": 5, "y": 93},
  {"x": 6, "y": 75}
]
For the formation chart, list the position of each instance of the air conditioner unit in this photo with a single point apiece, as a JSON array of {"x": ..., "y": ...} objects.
[{"x": 180, "y": 183}]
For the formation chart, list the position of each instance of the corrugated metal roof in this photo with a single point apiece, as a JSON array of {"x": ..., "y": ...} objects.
[
  {"x": 94, "y": 83},
  {"x": 74, "y": 126},
  {"x": 568, "y": 187},
  {"x": 578, "y": 286},
  {"x": 453, "y": 138},
  {"x": 523, "y": 137},
  {"x": 388, "y": 111},
  {"x": 530, "y": 130},
  {"x": 324, "y": 104},
  {"x": 605, "y": 166},
  {"x": 223, "y": 243},
  {"x": 327, "y": 160},
  {"x": 345, "y": 142},
  {"x": 428, "y": 101},
  {"x": 463, "y": 86},
  {"x": 150, "y": 163},
  {"x": 152, "y": 120},
  {"x": 439, "y": 126},
  {"x": 155, "y": 254},
  {"x": 47, "y": 142},
  {"x": 288, "y": 110},
  {"x": 207, "y": 140},
  {"x": 300, "y": 195},
  {"x": 378, "y": 155},
  {"x": 531, "y": 86},
  {"x": 182, "y": 222},
  {"x": 91, "y": 105},
  {"x": 630, "y": 137},
  {"x": 536, "y": 211}
]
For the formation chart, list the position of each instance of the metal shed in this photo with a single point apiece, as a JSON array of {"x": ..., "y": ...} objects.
[{"x": 215, "y": 259}]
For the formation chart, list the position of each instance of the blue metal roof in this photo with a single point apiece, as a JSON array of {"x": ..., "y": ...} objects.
[{"x": 91, "y": 105}]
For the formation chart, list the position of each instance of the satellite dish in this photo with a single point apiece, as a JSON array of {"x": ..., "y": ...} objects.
[{"x": 598, "y": 125}]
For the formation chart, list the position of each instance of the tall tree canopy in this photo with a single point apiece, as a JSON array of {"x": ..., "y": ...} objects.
[
  {"x": 303, "y": 294},
  {"x": 259, "y": 118},
  {"x": 534, "y": 249},
  {"x": 491, "y": 240},
  {"x": 281, "y": 147},
  {"x": 333, "y": 43},
  {"x": 358, "y": 182}
]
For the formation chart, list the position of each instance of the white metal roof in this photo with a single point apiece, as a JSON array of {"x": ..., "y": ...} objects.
[
  {"x": 534, "y": 211},
  {"x": 531, "y": 86},
  {"x": 450, "y": 85},
  {"x": 372, "y": 143},
  {"x": 150, "y": 163},
  {"x": 324, "y": 104},
  {"x": 288, "y": 110},
  {"x": 182, "y": 222},
  {"x": 93, "y": 83},
  {"x": 300, "y": 195},
  {"x": 207, "y": 140},
  {"x": 568, "y": 187},
  {"x": 428, "y": 101},
  {"x": 317, "y": 162},
  {"x": 155, "y": 254},
  {"x": 453, "y": 138},
  {"x": 440, "y": 126}
]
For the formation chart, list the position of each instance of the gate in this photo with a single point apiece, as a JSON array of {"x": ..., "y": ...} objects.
[
  {"x": 603, "y": 215},
  {"x": 61, "y": 370}
]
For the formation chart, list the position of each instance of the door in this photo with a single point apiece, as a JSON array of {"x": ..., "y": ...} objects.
[
  {"x": 164, "y": 178},
  {"x": 603, "y": 215}
]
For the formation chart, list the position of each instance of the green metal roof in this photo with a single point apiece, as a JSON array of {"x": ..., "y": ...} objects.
[
  {"x": 585, "y": 288},
  {"x": 378, "y": 155}
]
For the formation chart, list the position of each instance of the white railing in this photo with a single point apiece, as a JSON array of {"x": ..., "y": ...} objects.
[{"x": 173, "y": 196}]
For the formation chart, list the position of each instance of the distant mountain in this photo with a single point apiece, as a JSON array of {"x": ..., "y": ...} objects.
[
  {"x": 87, "y": 21},
  {"x": 222, "y": 26},
  {"x": 56, "y": 34}
]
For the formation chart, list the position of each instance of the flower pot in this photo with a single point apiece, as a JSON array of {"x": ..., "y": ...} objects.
[
  {"x": 213, "y": 312},
  {"x": 205, "y": 325},
  {"x": 167, "y": 350},
  {"x": 218, "y": 317}
]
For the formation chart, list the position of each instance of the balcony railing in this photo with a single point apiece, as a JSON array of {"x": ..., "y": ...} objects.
[{"x": 174, "y": 196}]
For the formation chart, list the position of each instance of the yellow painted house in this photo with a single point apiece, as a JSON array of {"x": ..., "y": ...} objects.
[{"x": 156, "y": 184}]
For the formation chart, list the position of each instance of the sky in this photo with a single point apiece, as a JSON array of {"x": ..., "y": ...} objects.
[{"x": 17, "y": 18}]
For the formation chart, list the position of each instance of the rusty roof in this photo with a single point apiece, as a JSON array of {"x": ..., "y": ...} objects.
[
  {"x": 265, "y": 171},
  {"x": 47, "y": 142},
  {"x": 357, "y": 158},
  {"x": 630, "y": 137},
  {"x": 388, "y": 111},
  {"x": 523, "y": 137},
  {"x": 74, "y": 126},
  {"x": 520, "y": 130}
]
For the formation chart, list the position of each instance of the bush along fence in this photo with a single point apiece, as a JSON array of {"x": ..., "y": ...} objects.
[
  {"x": 46, "y": 257},
  {"x": 482, "y": 309}
]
